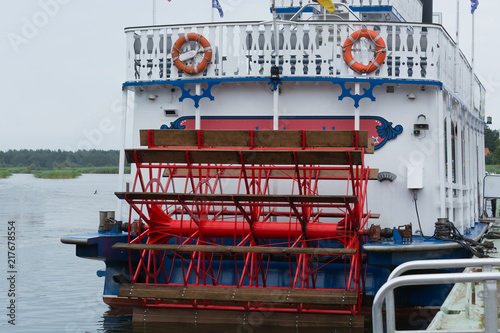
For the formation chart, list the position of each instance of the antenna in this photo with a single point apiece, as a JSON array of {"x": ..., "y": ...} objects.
[{"x": 154, "y": 12}]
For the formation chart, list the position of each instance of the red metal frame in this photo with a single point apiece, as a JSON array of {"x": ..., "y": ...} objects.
[{"x": 251, "y": 223}]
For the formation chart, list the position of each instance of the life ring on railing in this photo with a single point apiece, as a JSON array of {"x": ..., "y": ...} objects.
[
  {"x": 179, "y": 59},
  {"x": 376, "y": 62}
]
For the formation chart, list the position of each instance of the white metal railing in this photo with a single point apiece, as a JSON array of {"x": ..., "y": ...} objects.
[
  {"x": 306, "y": 49},
  {"x": 395, "y": 280}
]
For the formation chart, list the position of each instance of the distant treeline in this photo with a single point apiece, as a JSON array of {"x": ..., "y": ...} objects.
[{"x": 57, "y": 159}]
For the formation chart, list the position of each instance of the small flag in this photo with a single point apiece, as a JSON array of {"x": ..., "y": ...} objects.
[
  {"x": 216, "y": 5},
  {"x": 473, "y": 5},
  {"x": 328, "y": 4}
]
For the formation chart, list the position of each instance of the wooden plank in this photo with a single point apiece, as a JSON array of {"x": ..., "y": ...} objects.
[
  {"x": 235, "y": 249},
  {"x": 266, "y": 157},
  {"x": 233, "y": 294},
  {"x": 173, "y": 138},
  {"x": 262, "y": 138},
  {"x": 195, "y": 197},
  {"x": 226, "y": 138},
  {"x": 335, "y": 139},
  {"x": 371, "y": 146},
  {"x": 277, "y": 139},
  {"x": 268, "y": 322}
]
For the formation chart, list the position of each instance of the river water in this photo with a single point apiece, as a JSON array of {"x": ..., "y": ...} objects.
[{"x": 55, "y": 291}]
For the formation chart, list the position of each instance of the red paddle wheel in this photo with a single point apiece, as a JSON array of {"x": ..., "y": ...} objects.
[{"x": 248, "y": 220}]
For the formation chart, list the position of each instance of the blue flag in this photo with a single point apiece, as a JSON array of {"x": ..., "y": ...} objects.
[
  {"x": 216, "y": 5},
  {"x": 473, "y": 5}
]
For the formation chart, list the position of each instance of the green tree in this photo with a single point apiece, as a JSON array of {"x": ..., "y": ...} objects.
[{"x": 491, "y": 139}]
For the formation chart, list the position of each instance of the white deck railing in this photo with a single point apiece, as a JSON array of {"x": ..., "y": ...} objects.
[{"x": 306, "y": 50}]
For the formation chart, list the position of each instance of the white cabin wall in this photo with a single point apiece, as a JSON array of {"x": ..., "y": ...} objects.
[{"x": 393, "y": 200}]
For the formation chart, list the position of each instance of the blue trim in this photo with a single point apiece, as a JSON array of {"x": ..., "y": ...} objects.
[
  {"x": 368, "y": 93},
  {"x": 206, "y": 93},
  {"x": 284, "y": 79},
  {"x": 371, "y": 9},
  {"x": 292, "y": 10},
  {"x": 334, "y": 80},
  {"x": 275, "y": 84}
]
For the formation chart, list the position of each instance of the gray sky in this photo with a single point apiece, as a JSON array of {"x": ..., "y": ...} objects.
[{"x": 63, "y": 62}]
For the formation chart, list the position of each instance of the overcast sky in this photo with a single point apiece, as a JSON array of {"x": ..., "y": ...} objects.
[{"x": 63, "y": 62}]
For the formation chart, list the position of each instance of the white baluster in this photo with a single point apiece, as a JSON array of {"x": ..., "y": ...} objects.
[
  {"x": 268, "y": 50},
  {"x": 308, "y": 50},
  {"x": 245, "y": 51},
  {"x": 143, "y": 56},
  {"x": 175, "y": 73},
  {"x": 255, "y": 51},
  {"x": 216, "y": 40},
  {"x": 130, "y": 56},
  {"x": 230, "y": 65},
  {"x": 286, "y": 51},
  {"x": 156, "y": 55}
]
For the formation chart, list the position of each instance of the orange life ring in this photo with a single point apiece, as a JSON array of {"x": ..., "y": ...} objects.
[
  {"x": 376, "y": 62},
  {"x": 207, "y": 54}
]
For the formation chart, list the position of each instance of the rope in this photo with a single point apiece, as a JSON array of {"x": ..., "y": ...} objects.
[{"x": 446, "y": 231}]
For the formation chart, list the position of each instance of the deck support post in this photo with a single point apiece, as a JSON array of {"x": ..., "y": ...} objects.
[
  {"x": 356, "y": 110},
  {"x": 198, "y": 111}
]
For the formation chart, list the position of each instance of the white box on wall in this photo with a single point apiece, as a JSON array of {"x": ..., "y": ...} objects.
[{"x": 415, "y": 177}]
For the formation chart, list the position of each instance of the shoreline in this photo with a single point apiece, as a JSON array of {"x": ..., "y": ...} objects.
[{"x": 65, "y": 173}]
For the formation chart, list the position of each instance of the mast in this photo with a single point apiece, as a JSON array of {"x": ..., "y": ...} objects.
[{"x": 154, "y": 12}]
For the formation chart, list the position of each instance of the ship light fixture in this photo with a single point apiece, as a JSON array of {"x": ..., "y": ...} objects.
[
  {"x": 152, "y": 97},
  {"x": 420, "y": 125},
  {"x": 275, "y": 73},
  {"x": 489, "y": 120},
  {"x": 411, "y": 96}
]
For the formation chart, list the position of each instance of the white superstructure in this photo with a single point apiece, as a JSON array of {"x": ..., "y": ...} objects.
[{"x": 424, "y": 73}]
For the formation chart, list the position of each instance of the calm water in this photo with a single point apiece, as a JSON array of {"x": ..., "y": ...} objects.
[{"x": 55, "y": 290}]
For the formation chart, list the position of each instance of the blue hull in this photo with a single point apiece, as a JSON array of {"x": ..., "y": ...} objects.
[{"x": 381, "y": 258}]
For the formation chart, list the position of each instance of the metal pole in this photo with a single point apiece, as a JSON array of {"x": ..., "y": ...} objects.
[
  {"x": 121, "y": 163},
  {"x": 458, "y": 22},
  {"x": 276, "y": 63},
  {"x": 212, "y": 10},
  {"x": 197, "y": 121},
  {"x": 356, "y": 110},
  {"x": 428, "y": 264},
  {"x": 490, "y": 303},
  {"x": 276, "y": 39},
  {"x": 457, "y": 50},
  {"x": 473, "y": 79},
  {"x": 154, "y": 12}
]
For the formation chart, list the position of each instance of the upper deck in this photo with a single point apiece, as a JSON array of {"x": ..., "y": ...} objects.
[{"x": 308, "y": 50}]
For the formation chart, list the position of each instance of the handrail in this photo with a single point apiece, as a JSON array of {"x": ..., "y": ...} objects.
[
  {"x": 314, "y": 4},
  {"x": 428, "y": 264},
  {"x": 487, "y": 264}
]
